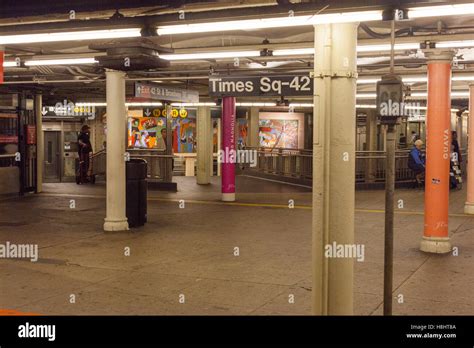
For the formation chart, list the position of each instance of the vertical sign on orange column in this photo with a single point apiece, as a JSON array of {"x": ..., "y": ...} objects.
[
  {"x": 438, "y": 150},
  {"x": 2, "y": 55}
]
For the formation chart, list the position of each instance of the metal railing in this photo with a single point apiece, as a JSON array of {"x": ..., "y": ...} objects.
[
  {"x": 298, "y": 164},
  {"x": 283, "y": 162},
  {"x": 8, "y": 160},
  {"x": 156, "y": 162}
]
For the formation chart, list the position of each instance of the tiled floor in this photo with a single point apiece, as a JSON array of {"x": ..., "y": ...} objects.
[{"x": 184, "y": 260}]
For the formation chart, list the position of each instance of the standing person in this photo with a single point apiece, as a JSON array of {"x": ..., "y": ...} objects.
[
  {"x": 455, "y": 144},
  {"x": 414, "y": 137},
  {"x": 416, "y": 161},
  {"x": 84, "y": 149}
]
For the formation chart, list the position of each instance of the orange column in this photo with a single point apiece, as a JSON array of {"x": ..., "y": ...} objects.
[
  {"x": 469, "y": 206},
  {"x": 438, "y": 150}
]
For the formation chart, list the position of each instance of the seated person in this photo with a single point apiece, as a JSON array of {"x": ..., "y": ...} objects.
[{"x": 416, "y": 161}]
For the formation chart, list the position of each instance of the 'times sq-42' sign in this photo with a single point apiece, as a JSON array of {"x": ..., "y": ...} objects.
[{"x": 272, "y": 85}]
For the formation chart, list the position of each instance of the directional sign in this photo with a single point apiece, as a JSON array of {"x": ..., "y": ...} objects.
[
  {"x": 272, "y": 85},
  {"x": 159, "y": 92}
]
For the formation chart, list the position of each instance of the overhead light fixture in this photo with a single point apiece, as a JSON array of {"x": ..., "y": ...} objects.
[
  {"x": 70, "y": 36},
  {"x": 266, "y": 23},
  {"x": 144, "y": 104},
  {"x": 294, "y": 51},
  {"x": 126, "y": 104},
  {"x": 10, "y": 64},
  {"x": 442, "y": 10},
  {"x": 211, "y": 55},
  {"x": 369, "y": 81},
  {"x": 366, "y": 106},
  {"x": 91, "y": 104},
  {"x": 455, "y": 44},
  {"x": 406, "y": 79},
  {"x": 194, "y": 104},
  {"x": 255, "y": 104},
  {"x": 454, "y": 94},
  {"x": 73, "y": 61},
  {"x": 416, "y": 79},
  {"x": 387, "y": 47},
  {"x": 301, "y": 105}
]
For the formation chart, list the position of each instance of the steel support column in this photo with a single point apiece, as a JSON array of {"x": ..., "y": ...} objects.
[
  {"x": 39, "y": 142},
  {"x": 204, "y": 145},
  {"x": 334, "y": 166},
  {"x": 228, "y": 149},
  {"x": 438, "y": 151},
  {"x": 115, "y": 219},
  {"x": 469, "y": 205}
]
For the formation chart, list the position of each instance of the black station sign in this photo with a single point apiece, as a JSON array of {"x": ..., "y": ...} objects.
[
  {"x": 272, "y": 85},
  {"x": 160, "y": 92}
]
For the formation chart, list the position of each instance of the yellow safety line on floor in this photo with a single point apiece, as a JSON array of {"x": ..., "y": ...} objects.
[{"x": 243, "y": 204}]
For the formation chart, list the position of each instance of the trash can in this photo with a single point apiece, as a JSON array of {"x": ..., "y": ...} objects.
[{"x": 136, "y": 192}]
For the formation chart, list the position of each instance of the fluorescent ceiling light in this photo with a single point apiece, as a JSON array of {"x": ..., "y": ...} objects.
[
  {"x": 301, "y": 105},
  {"x": 310, "y": 51},
  {"x": 366, "y": 106},
  {"x": 255, "y": 104},
  {"x": 194, "y": 104},
  {"x": 266, "y": 23},
  {"x": 91, "y": 104},
  {"x": 10, "y": 64},
  {"x": 368, "y": 81},
  {"x": 366, "y": 95},
  {"x": 454, "y": 94},
  {"x": 70, "y": 36},
  {"x": 407, "y": 79},
  {"x": 293, "y": 52},
  {"x": 144, "y": 104},
  {"x": 442, "y": 10},
  {"x": 211, "y": 55},
  {"x": 455, "y": 44},
  {"x": 462, "y": 78},
  {"x": 126, "y": 104},
  {"x": 414, "y": 79},
  {"x": 73, "y": 61},
  {"x": 387, "y": 47}
]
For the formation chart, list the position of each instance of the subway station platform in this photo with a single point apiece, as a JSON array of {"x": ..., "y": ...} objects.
[{"x": 183, "y": 261}]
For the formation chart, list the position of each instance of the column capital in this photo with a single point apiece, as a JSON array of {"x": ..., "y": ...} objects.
[
  {"x": 111, "y": 71},
  {"x": 439, "y": 54}
]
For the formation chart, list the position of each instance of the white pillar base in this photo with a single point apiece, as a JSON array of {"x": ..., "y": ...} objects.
[
  {"x": 436, "y": 245},
  {"x": 228, "y": 197},
  {"x": 469, "y": 208},
  {"x": 115, "y": 225}
]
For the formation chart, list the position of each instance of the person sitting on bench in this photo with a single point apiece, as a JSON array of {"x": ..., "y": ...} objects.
[{"x": 416, "y": 161}]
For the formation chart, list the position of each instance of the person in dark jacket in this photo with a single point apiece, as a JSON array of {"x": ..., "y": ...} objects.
[
  {"x": 455, "y": 144},
  {"x": 416, "y": 161},
  {"x": 84, "y": 149}
]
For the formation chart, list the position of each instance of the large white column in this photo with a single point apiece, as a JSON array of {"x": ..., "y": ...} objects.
[
  {"x": 469, "y": 205},
  {"x": 335, "y": 76},
  {"x": 115, "y": 219},
  {"x": 204, "y": 145},
  {"x": 253, "y": 127},
  {"x": 39, "y": 142}
]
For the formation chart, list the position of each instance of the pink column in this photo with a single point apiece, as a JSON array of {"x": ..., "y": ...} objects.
[
  {"x": 469, "y": 206},
  {"x": 228, "y": 154}
]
